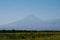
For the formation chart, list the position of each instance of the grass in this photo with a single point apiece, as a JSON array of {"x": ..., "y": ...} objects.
[{"x": 30, "y": 35}]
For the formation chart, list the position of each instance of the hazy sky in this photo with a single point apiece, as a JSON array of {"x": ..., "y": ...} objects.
[{"x": 13, "y": 10}]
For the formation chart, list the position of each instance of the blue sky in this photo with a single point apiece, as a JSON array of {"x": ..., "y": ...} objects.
[{"x": 13, "y": 10}]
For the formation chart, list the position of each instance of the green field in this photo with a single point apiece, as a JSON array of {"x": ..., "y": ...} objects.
[{"x": 30, "y": 35}]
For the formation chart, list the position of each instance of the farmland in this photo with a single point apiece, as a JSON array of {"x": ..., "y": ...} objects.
[{"x": 29, "y": 35}]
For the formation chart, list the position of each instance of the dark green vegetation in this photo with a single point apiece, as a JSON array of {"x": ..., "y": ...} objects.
[{"x": 29, "y": 35}]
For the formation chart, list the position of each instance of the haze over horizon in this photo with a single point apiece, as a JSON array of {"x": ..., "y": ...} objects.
[{"x": 14, "y": 10}]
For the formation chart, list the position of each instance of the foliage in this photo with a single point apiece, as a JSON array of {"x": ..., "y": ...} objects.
[{"x": 30, "y": 35}]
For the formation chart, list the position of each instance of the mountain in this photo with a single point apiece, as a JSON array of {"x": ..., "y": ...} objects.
[
  {"x": 31, "y": 22},
  {"x": 55, "y": 24}
]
